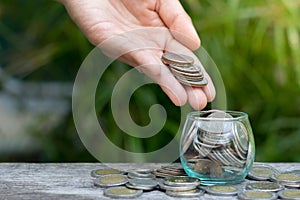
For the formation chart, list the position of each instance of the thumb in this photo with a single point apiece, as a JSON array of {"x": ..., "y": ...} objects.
[{"x": 179, "y": 22}]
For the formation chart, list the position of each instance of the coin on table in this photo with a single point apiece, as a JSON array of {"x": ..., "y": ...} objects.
[
  {"x": 184, "y": 194},
  {"x": 286, "y": 179},
  {"x": 175, "y": 167},
  {"x": 292, "y": 194},
  {"x": 181, "y": 181},
  {"x": 110, "y": 180},
  {"x": 101, "y": 172},
  {"x": 254, "y": 194},
  {"x": 122, "y": 192},
  {"x": 175, "y": 188},
  {"x": 265, "y": 186},
  {"x": 142, "y": 184},
  {"x": 177, "y": 59},
  {"x": 222, "y": 190},
  {"x": 261, "y": 172},
  {"x": 140, "y": 175}
]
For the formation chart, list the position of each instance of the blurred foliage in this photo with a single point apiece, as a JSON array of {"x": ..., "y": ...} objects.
[{"x": 255, "y": 44}]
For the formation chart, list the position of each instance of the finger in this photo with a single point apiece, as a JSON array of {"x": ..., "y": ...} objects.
[
  {"x": 196, "y": 97},
  {"x": 209, "y": 89},
  {"x": 179, "y": 22},
  {"x": 167, "y": 82}
]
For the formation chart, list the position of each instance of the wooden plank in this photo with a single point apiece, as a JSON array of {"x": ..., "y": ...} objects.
[{"x": 73, "y": 180}]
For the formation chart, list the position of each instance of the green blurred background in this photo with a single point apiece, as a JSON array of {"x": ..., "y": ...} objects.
[{"x": 255, "y": 44}]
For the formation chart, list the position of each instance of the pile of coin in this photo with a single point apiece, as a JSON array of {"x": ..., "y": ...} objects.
[
  {"x": 263, "y": 182},
  {"x": 219, "y": 145},
  {"x": 184, "y": 69},
  {"x": 169, "y": 170}
]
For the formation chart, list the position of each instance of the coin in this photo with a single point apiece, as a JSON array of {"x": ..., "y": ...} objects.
[
  {"x": 175, "y": 188},
  {"x": 191, "y": 69},
  {"x": 188, "y": 193},
  {"x": 200, "y": 83},
  {"x": 265, "y": 186},
  {"x": 142, "y": 184},
  {"x": 173, "y": 167},
  {"x": 181, "y": 181},
  {"x": 177, "y": 59},
  {"x": 140, "y": 175},
  {"x": 110, "y": 180},
  {"x": 222, "y": 190},
  {"x": 102, "y": 172},
  {"x": 254, "y": 194},
  {"x": 292, "y": 194},
  {"x": 122, "y": 192},
  {"x": 261, "y": 172},
  {"x": 286, "y": 179}
]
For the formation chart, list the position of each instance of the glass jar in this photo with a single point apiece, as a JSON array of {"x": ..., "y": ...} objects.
[{"x": 217, "y": 146}]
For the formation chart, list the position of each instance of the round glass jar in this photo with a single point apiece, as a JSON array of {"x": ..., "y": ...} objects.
[{"x": 217, "y": 146}]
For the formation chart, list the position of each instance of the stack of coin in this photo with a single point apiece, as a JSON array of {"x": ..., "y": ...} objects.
[
  {"x": 181, "y": 186},
  {"x": 184, "y": 69},
  {"x": 220, "y": 145}
]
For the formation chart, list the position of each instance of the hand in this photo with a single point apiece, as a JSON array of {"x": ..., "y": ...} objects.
[{"x": 162, "y": 24}]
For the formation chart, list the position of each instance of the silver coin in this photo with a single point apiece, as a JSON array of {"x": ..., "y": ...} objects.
[
  {"x": 122, "y": 192},
  {"x": 201, "y": 83},
  {"x": 286, "y": 179},
  {"x": 161, "y": 174},
  {"x": 176, "y": 59},
  {"x": 219, "y": 122},
  {"x": 149, "y": 182},
  {"x": 292, "y": 194},
  {"x": 261, "y": 172},
  {"x": 101, "y": 172},
  {"x": 139, "y": 175},
  {"x": 110, "y": 180},
  {"x": 255, "y": 194},
  {"x": 181, "y": 181},
  {"x": 175, "y": 188},
  {"x": 182, "y": 72},
  {"x": 265, "y": 186},
  {"x": 222, "y": 190},
  {"x": 185, "y": 194},
  {"x": 142, "y": 184},
  {"x": 191, "y": 69},
  {"x": 173, "y": 167},
  {"x": 141, "y": 171},
  {"x": 170, "y": 172}
]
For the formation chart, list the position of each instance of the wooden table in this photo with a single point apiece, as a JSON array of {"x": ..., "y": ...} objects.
[{"x": 73, "y": 180}]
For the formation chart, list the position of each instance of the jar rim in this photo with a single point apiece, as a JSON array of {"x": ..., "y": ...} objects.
[{"x": 236, "y": 115}]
